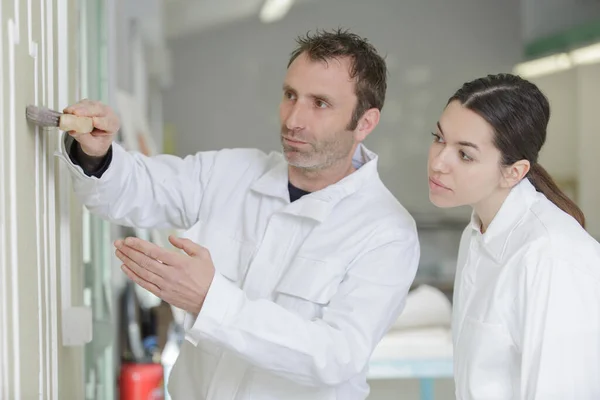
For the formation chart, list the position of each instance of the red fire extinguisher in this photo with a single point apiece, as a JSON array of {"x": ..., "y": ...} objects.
[{"x": 139, "y": 381}]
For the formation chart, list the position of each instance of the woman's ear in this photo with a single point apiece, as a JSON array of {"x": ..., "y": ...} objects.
[{"x": 514, "y": 173}]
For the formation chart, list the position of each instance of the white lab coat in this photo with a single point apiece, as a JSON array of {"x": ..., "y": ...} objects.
[
  {"x": 527, "y": 305},
  {"x": 303, "y": 292}
]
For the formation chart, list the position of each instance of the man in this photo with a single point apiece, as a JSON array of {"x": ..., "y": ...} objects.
[{"x": 295, "y": 264}]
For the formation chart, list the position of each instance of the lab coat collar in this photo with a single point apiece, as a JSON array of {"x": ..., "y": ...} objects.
[
  {"x": 274, "y": 182},
  {"x": 319, "y": 204},
  {"x": 516, "y": 205}
]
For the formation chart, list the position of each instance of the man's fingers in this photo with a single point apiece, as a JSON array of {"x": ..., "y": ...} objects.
[
  {"x": 191, "y": 248},
  {"x": 70, "y": 109},
  {"x": 149, "y": 286},
  {"x": 98, "y": 132},
  {"x": 76, "y": 135},
  {"x": 152, "y": 250},
  {"x": 142, "y": 265},
  {"x": 106, "y": 124},
  {"x": 87, "y": 108}
]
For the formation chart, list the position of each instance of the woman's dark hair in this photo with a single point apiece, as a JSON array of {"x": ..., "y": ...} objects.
[{"x": 518, "y": 112}]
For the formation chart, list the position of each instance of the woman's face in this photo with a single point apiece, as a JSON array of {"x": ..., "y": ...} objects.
[{"x": 464, "y": 165}]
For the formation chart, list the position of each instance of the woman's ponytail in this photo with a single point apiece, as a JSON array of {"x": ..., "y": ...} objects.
[{"x": 543, "y": 182}]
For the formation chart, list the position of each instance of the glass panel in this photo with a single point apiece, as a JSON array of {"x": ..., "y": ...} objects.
[{"x": 99, "y": 353}]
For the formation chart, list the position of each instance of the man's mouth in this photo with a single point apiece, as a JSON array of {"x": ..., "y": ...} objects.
[{"x": 293, "y": 141}]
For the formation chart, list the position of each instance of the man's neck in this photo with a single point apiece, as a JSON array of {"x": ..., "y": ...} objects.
[{"x": 313, "y": 180}]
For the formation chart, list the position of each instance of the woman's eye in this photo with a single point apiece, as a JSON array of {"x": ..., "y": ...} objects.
[
  {"x": 437, "y": 138},
  {"x": 464, "y": 156}
]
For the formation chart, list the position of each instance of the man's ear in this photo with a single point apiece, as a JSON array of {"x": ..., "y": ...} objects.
[{"x": 366, "y": 124}]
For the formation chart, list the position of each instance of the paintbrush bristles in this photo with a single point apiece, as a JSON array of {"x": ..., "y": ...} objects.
[{"x": 43, "y": 116}]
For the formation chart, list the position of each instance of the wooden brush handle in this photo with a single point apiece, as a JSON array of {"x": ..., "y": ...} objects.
[{"x": 69, "y": 122}]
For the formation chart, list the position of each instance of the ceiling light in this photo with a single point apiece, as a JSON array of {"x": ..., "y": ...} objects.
[
  {"x": 273, "y": 10},
  {"x": 559, "y": 62},
  {"x": 586, "y": 55},
  {"x": 544, "y": 66}
]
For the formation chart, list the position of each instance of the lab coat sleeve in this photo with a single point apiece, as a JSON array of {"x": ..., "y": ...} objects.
[
  {"x": 559, "y": 307},
  {"x": 162, "y": 191},
  {"x": 317, "y": 352}
]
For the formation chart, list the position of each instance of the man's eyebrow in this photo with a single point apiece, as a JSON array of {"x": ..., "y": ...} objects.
[{"x": 316, "y": 96}]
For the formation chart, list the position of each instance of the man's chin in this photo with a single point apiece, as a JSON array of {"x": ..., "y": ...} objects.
[{"x": 294, "y": 159}]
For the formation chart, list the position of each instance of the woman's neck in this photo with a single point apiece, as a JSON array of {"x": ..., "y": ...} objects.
[{"x": 487, "y": 209}]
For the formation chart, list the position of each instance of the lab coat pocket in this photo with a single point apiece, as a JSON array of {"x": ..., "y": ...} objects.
[
  {"x": 485, "y": 359},
  {"x": 308, "y": 285},
  {"x": 230, "y": 256}
]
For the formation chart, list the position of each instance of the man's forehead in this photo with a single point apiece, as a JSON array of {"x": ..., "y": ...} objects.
[
  {"x": 334, "y": 64},
  {"x": 320, "y": 76}
]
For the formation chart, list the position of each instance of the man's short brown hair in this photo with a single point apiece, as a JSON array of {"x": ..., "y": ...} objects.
[{"x": 368, "y": 68}]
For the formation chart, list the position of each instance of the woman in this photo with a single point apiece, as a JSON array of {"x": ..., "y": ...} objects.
[{"x": 526, "y": 321}]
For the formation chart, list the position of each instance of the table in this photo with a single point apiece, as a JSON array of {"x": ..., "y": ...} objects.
[{"x": 425, "y": 370}]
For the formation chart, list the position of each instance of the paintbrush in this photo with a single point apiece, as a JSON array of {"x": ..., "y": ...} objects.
[{"x": 45, "y": 117}]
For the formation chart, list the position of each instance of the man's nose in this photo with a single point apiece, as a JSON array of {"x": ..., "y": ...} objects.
[{"x": 296, "y": 119}]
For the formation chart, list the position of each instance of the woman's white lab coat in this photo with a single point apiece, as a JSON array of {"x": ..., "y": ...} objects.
[{"x": 526, "y": 318}]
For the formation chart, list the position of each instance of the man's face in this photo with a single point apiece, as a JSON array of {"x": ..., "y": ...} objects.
[{"x": 316, "y": 109}]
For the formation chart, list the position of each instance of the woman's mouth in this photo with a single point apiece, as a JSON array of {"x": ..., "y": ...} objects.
[{"x": 436, "y": 185}]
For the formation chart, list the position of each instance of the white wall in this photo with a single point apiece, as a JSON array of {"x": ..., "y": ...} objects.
[
  {"x": 588, "y": 94},
  {"x": 542, "y": 18},
  {"x": 227, "y": 81},
  {"x": 572, "y": 147},
  {"x": 560, "y": 152}
]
